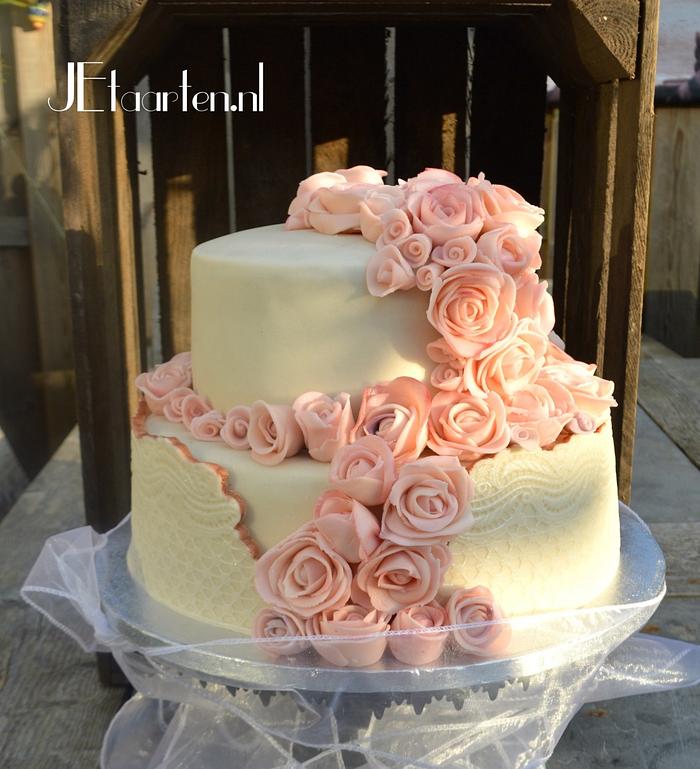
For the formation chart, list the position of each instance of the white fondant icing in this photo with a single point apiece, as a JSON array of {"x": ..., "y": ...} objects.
[
  {"x": 546, "y": 532},
  {"x": 278, "y": 313}
]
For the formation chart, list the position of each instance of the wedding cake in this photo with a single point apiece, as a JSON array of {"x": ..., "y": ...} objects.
[{"x": 375, "y": 428}]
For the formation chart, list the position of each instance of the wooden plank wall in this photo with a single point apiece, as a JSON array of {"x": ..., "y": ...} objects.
[
  {"x": 37, "y": 393},
  {"x": 672, "y": 292}
]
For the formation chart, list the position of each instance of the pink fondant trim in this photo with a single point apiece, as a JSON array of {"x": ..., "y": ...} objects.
[{"x": 138, "y": 426}]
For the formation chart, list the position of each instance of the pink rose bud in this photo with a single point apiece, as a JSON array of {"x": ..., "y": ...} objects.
[
  {"x": 350, "y": 528},
  {"x": 172, "y": 410},
  {"x": 207, "y": 426},
  {"x": 446, "y": 212},
  {"x": 325, "y": 423},
  {"x": 364, "y": 470},
  {"x": 473, "y": 607},
  {"x": 427, "y": 642},
  {"x": 157, "y": 385},
  {"x": 387, "y": 271},
  {"x": 194, "y": 406},
  {"x": 511, "y": 252},
  {"x": 281, "y": 630},
  {"x": 352, "y": 624},
  {"x": 235, "y": 429},
  {"x": 273, "y": 433},
  {"x": 427, "y": 274}
]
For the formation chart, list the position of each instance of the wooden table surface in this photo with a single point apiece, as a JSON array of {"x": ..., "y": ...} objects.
[{"x": 53, "y": 711}]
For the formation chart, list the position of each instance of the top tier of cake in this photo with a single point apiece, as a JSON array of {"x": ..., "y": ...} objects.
[{"x": 278, "y": 313}]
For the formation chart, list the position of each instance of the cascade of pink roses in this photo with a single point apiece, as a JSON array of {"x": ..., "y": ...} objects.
[{"x": 375, "y": 554}]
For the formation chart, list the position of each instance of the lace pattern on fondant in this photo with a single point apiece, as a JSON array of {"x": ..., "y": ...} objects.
[
  {"x": 185, "y": 546},
  {"x": 546, "y": 531}
]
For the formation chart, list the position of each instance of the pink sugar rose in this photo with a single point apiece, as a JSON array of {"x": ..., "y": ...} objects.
[
  {"x": 507, "y": 366},
  {"x": 471, "y": 306},
  {"x": 581, "y": 424},
  {"x": 455, "y": 251},
  {"x": 330, "y": 202},
  {"x": 429, "y": 503},
  {"x": 533, "y": 417},
  {"x": 207, "y": 426},
  {"x": 448, "y": 376},
  {"x": 502, "y": 205},
  {"x": 423, "y": 645},
  {"x": 513, "y": 253},
  {"x": 532, "y": 300},
  {"x": 157, "y": 385},
  {"x": 281, "y": 630},
  {"x": 429, "y": 179},
  {"x": 325, "y": 422},
  {"x": 351, "y": 529},
  {"x": 449, "y": 373},
  {"x": 591, "y": 394},
  {"x": 396, "y": 576},
  {"x": 352, "y": 625},
  {"x": 445, "y": 213},
  {"x": 303, "y": 574},
  {"x": 387, "y": 271},
  {"x": 468, "y": 426},
  {"x": 397, "y": 412},
  {"x": 416, "y": 249},
  {"x": 235, "y": 429},
  {"x": 194, "y": 406},
  {"x": 172, "y": 410},
  {"x": 273, "y": 433},
  {"x": 427, "y": 274},
  {"x": 378, "y": 201},
  {"x": 474, "y": 606},
  {"x": 396, "y": 226},
  {"x": 364, "y": 470}
]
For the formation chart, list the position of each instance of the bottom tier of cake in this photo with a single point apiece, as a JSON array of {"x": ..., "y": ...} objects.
[{"x": 545, "y": 537}]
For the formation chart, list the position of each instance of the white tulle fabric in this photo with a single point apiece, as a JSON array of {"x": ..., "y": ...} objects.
[{"x": 179, "y": 719}]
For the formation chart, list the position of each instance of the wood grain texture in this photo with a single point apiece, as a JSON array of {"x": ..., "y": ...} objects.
[
  {"x": 630, "y": 217},
  {"x": 431, "y": 87},
  {"x": 347, "y": 101},
  {"x": 509, "y": 89},
  {"x": 672, "y": 286},
  {"x": 33, "y": 66},
  {"x": 92, "y": 236},
  {"x": 269, "y": 147},
  {"x": 22, "y": 413},
  {"x": 668, "y": 392},
  {"x": 587, "y": 42},
  {"x": 190, "y": 178},
  {"x": 586, "y": 164},
  {"x": 52, "y": 709}
]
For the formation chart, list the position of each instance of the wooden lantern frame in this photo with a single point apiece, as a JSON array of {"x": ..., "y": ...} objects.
[{"x": 602, "y": 53}]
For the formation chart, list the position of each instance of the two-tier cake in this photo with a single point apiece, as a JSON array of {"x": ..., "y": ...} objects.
[{"x": 375, "y": 427}]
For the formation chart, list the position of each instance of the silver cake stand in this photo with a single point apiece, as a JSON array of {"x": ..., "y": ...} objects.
[{"x": 201, "y": 649}]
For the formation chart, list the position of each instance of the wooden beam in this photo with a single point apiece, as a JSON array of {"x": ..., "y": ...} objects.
[
  {"x": 508, "y": 110},
  {"x": 267, "y": 168},
  {"x": 431, "y": 93},
  {"x": 588, "y": 41},
  {"x": 630, "y": 218},
  {"x": 586, "y": 186},
  {"x": 190, "y": 177},
  {"x": 340, "y": 94},
  {"x": 35, "y": 79}
]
